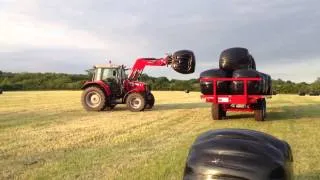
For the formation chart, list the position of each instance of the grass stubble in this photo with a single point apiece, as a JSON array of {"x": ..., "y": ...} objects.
[{"x": 48, "y": 135}]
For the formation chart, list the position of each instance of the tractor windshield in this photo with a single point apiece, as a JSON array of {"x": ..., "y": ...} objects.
[
  {"x": 104, "y": 74},
  {"x": 109, "y": 73}
]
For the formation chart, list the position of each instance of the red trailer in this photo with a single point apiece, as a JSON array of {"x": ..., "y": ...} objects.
[{"x": 239, "y": 103}]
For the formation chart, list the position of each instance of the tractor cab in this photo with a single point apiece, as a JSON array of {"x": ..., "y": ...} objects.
[{"x": 113, "y": 75}]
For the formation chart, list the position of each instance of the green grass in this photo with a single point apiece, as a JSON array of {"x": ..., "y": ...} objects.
[{"x": 48, "y": 135}]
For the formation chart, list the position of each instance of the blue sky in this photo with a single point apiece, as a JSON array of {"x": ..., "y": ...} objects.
[{"x": 71, "y": 36}]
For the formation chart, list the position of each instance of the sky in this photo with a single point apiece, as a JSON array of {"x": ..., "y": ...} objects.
[{"x": 71, "y": 36}]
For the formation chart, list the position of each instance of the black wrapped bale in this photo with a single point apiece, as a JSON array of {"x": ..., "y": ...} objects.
[
  {"x": 274, "y": 92},
  {"x": 235, "y": 58},
  {"x": 254, "y": 87},
  {"x": 238, "y": 154},
  {"x": 253, "y": 63},
  {"x": 207, "y": 86},
  {"x": 269, "y": 92},
  {"x": 264, "y": 83},
  {"x": 268, "y": 85},
  {"x": 183, "y": 61},
  {"x": 314, "y": 93}
]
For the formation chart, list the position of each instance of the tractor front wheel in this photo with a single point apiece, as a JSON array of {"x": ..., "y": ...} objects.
[
  {"x": 136, "y": 102},
  {"x": 150, "y": 101},
  {"x": 93, "y": 99}
]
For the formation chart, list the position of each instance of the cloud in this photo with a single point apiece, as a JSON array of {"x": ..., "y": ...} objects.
[
  {"x": 278, "y": 33},
  {"x": 24, "y": 32},
  {"x": 51, "y": 60},
  {"x": 21, "y": 29}
]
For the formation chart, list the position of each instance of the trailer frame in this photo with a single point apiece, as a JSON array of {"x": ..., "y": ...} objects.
[{"x": 222, "y": 103}]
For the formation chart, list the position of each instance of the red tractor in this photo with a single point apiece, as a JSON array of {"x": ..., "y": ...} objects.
[{"x": 111, "y": 86}]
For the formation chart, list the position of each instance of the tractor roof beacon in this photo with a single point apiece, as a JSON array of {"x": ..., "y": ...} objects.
[{"x": 110, "y": 85}]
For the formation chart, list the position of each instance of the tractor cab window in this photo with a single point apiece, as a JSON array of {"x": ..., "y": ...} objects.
[
  {"x": 123, "y": 74},
  {"x": 109, "y": 74},
  {"x": 97, "y": 75}
]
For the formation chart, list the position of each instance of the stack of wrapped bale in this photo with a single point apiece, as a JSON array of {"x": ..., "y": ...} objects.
[{"x": 236, "y": 62}]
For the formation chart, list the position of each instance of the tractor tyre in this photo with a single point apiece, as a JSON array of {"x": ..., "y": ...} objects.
[
  {"x": 150, "y": 101},
  {"x": 260, "y": 110},
  {"x": 136, "y": 102},
  {"x": 216, "y": 112},
  {"x": 93, "y": 99}
]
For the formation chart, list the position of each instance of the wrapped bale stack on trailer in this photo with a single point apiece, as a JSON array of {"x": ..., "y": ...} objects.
[{"x": 236, "y": 85}]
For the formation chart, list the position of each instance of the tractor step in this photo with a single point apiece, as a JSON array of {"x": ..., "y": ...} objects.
[{"x": 116, "y": 101}]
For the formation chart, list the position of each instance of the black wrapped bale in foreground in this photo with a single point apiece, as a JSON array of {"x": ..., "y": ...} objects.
[{"x": 238, "y": 154}]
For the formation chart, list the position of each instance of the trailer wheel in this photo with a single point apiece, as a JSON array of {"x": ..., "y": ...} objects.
[
  {"x": 223, "y": 113},
  {"x": 264, "y": 108},
  {"x": 216, "y": 112},
  {"x": 260, "y": 110},
  {"x": 93, "y": 99},
  {"x": 136, "y": 102},
  {"x": 150, "y": 101}
]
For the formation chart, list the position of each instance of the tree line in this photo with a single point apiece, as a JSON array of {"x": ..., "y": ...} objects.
[
  {"x": 40, "y": 81},
  {"x": 60, "y": 81}
]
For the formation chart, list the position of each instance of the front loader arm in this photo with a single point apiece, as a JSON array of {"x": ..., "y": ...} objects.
[
  {"x": 143, "y": 62},
  {"x": 182, "y": 61}
]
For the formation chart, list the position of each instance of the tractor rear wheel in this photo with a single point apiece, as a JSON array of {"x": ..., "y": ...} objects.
[
  {"x": 260, "y": 110},
  {"x": 150, "y": 101},
  {"x": 93, "y": 99},
  {"x": 136, "y": 102}
]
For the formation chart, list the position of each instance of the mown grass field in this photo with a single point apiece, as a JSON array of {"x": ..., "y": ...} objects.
[{"x": 48, "y": 135}]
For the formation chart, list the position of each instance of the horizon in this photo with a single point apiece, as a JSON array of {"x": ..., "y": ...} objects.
[
  {"x": 70, "y": 37},
  {"x": 316, "y": 78}
]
